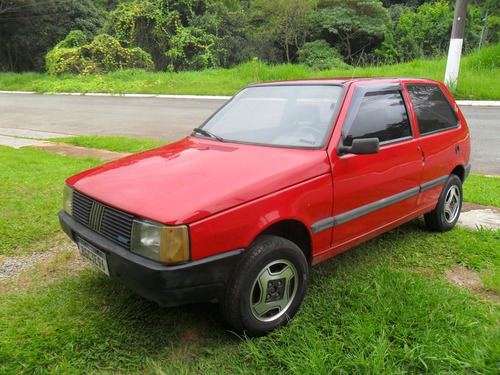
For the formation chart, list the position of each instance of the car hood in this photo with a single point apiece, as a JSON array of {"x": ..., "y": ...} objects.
[{"x": 195, "y": 178}]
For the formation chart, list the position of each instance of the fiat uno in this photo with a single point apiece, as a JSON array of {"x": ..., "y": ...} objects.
[{"x": 282, "y": 177}]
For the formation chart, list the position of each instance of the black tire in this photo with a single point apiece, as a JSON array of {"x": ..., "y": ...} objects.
[
  {"x": 444, "y": 217},
  {"x": 256, "y": 309}
]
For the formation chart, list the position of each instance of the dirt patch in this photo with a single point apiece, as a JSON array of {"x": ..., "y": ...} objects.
[
  {"x": 25, "y": 270},
  {"x": 80, "y": 152},
  {"x": 467, "y": 206},
  {"x": 470, "y": 280},
  {"x": 189, "y": 340}
]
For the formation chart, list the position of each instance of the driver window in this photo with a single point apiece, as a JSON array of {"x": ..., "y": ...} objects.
[{"x": 381, "y": 115}]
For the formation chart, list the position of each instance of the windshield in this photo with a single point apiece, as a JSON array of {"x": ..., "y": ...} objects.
[{"x": 287, "y": 115}]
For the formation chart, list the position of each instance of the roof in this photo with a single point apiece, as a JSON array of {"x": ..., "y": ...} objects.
[{"x": 342, "y": 81}]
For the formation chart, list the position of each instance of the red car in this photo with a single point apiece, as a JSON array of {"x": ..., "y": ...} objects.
[{"x": 284, "y": 176}]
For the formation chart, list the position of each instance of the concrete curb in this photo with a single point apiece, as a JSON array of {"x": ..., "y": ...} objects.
[
  {"x": 472, "y": 103},
  {"x": 106, "y": 94},
  {"x": 478, "y": 103}
]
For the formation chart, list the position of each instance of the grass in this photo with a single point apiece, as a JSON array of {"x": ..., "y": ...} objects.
[
  {"x": 111, "y": 143},
  {"x": 382, "y": 307},
  {"x": 482, "y": 190},
  {"x": 31, "y": 191},
  {"x": 370, "y": 310},
  {"x": 478, "y": 78}
]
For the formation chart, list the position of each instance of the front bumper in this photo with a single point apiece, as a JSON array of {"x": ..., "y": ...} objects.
[{"x": 197, "y": 281}]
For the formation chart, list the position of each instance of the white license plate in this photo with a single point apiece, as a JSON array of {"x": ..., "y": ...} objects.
[{"x": 96, "y": 257}]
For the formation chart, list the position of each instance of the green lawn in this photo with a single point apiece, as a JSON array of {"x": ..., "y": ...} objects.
[
  {"x": 482, "y": 190},
  {"x": 382, "y": 307},
  {"x": 111, "y": 143},
  {"x": 479, "y": 77},
  {"x": 379, "y": 308},
  {"x": 31, "y": 183}
]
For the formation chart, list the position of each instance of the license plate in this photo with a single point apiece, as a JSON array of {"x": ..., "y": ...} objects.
[{"x": 95, "y": 256}]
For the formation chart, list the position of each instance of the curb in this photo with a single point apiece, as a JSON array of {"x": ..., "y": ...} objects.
[
  {"x": 478, "y": 103},
  {"x": 106, "y": 94},
  {"x": 471, "y": 103}
]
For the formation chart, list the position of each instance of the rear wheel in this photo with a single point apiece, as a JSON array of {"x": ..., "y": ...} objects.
[
  {"x": 267, "y": 288},
  {"x": 446, "y": 214}
]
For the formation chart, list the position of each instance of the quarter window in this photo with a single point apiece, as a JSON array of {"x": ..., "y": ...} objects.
[
  {"x": 433, "y": 110},
  {"x": 381, "y": 115}
]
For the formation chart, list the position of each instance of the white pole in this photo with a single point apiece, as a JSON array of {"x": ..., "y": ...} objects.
[{"x": 456, "y": 42}]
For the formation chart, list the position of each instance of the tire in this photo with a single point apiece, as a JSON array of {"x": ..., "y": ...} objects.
[
  {"x": 267, "y": 287},
  {"x": 444, "y": 217}
]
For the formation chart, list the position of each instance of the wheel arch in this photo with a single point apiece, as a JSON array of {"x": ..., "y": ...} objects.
[
  {"x": 294, "y": 231},
  {"x": 459, "y": 171}
]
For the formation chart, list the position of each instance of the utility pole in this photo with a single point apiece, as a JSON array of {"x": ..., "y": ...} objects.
[
  {"x": 485, "y": 19},
  {"x": 456, "y": 41}
]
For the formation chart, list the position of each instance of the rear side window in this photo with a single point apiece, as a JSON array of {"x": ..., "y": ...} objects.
[
  {"x": 433, "y": 110},
  {"x": 381, "y": 115}
]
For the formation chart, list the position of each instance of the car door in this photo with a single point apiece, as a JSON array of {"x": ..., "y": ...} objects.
[
  {"x": 443, "y": 137},
  {"x": 374, "y": 191}
]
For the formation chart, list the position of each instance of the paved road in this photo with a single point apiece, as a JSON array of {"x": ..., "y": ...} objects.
[
  {"x": 154, "y": 118},
  {"x": 172, "y": 119},
  {"x": 484, "y": 124}
]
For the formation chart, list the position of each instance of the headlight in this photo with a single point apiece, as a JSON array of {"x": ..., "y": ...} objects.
[
  {"x": 166, "y": 244},
  {"x": 68, "y": 200}
]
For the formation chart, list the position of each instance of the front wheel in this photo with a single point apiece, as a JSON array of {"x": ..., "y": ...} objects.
[
  {"x": 267, "y": 288},
  {"x": 445, "y": 215}
]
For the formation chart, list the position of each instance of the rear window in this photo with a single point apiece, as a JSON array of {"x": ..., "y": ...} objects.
[{"x": 433, "y": 110}]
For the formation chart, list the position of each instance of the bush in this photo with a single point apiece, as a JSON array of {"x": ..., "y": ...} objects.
[
  {"x": 320, "y": 56},
  {"x": 74, "y": 39},
  {"x": 104, "y": 54},
  {"x": 486, "y": 58}
]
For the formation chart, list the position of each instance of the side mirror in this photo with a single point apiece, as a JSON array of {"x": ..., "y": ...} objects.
[{"x": 361, "y": 146}]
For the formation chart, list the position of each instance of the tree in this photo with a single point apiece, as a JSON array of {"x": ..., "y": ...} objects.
[
  {"x": 228, "y": 23},
  {"x": 286, "y": 22},
  {"x": 319, "y": 55},
  {"x": 179, "y": 34},
  {"x": 490, "y": 20},
  {"x": 358, "y": 24},
  {"x": 425, "y": 32},
  {"x": 29, "y": 29}
]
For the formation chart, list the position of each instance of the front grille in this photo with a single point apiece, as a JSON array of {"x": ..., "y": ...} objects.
[{"x": 111, "y": 223}]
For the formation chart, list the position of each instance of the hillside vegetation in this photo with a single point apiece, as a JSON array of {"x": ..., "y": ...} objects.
[
  {"x": 99, "y": 36},
  {"x": 478, "y": 79}
]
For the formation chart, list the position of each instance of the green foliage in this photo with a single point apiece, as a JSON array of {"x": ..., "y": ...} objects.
[
  {"x": 493, "y": 27},
  {"x": 356, "y": 25},
  {"x": 320, "y": 56},
  {"x": 182, "y": 34},
  {"x": 425, "y": 31},
  {"x": 104, "y": 54},
  {"x": 227, "y": 24},
  {"x": 29, "y": 29},
  {"x": 284, "y": 22},
  {"x": 204, "y": 34},
  {"x": 74, "y": 39},
  {"x": 486, "y": 58},
  {"x": 142, "y": 23},
  {"x": 474, "y": 82}
]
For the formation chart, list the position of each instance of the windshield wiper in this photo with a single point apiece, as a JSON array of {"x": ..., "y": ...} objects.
[{"x": 206, "y": 133}]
